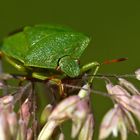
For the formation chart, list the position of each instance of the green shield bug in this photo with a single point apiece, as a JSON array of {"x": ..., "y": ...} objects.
[{"x": 47, "y": 52}]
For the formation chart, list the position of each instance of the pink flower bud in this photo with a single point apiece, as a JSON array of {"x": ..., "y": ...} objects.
[
  {"x": 7, "y": 99},
  {"x": 67, "y": 106},
  {"x": 25, "y": 111},
  {"x": 4, "y": 127},
  {"x": 79, "y": 116},
  {"x": 135, "y": 106},
  {"x": 129, "y": 86},
  {"x": 6, "y": 103},
  {"x": 86, "y": 132},
  {"x": 117, "y": 120},
  {"x": 29, "y": 134},
  {"x": 47, "y": 130},
  {"x": 109, "y": 123},
  {"x": 22, "y": 130},
  {"x": 61, "y": 136},
  {"x": 13, "y": 126},
  {"x": 119, "y": 94}
]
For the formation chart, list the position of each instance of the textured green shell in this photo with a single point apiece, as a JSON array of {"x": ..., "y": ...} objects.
[{"x": 44, "y": 45}]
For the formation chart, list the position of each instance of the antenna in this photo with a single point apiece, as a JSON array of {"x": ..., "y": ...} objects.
[{"x": 114, "y": 60}]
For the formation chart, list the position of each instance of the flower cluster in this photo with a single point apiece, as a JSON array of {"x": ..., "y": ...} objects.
[
  {"x": 14, "y": 126},
  {"x": 126, "y": 99},
  {"x": 20, "y": 123},
  {"x": 77, "y": 109}
]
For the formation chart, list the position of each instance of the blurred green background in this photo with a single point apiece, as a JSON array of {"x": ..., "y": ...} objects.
[{"x": 114, "y": 26}]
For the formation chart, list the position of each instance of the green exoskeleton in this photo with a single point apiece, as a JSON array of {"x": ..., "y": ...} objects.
[{"x": 48, "y": 52}]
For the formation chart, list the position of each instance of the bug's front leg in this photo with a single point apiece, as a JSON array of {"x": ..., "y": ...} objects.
[
  {"x": 90, "y": 66},
  {"x": 58, "y": 82},
  {"x": 51, "y": 79}
]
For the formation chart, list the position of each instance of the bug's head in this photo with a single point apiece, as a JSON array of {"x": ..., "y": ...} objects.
[{"x": 69, "y": 66}]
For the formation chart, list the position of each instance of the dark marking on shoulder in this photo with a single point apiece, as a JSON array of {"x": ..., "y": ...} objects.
[{"x": 16, "y": 31}]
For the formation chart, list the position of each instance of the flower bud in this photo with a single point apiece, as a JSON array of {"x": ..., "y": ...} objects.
[
  {"x": 119, "y": 94},
  {"x": 109, "y": 123},
  {"x": 137, "y": 73},
  {"x": 7, "y": 99},
  {"x": 25, "y": 111},
  {"x": 2, "y": 85},
  {"x": 21, "y": 135},
  {"x": 61, "y": 113},
  {"x": 61, "y": 136},
  {"x": 117, "y": 120},
  {"x": 86, "y": 132},
  {"x": 29, "y": 134},
  {"x": 129, "y": 86},
  {"x": 4, "y": 127},
  {"x": 67, "y": 106},
  {"x": 135, "y": 106},
  {"x": 79, "y": 116},
  {"x": 76, "y": 126},
  {"x": 47, "y": 130},
  {"x": 6, "y": 103},
  {"x": 13, "y": 126},
  {"x": 130, "y": 122},
  {"x": 84, "y": 91},
  {"x": 46, "y": 113},
  {"x": 109, "y": 87}
]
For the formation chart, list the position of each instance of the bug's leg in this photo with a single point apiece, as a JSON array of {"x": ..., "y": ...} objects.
[
  {"x": 90, "y": 66},
  {"x": 17, "y": 65},
  {"x": 58, "y": 82},
  {"x": 52, "y": 79}
]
